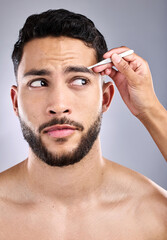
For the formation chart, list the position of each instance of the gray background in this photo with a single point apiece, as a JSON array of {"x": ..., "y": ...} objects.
[{"x": 139, "y": 24}]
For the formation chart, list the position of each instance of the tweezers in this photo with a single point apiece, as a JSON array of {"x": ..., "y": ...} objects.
[{"x": 108, "y": 60}]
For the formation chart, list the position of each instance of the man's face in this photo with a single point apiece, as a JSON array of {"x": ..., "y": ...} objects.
[{"x": 58, "y": 100}]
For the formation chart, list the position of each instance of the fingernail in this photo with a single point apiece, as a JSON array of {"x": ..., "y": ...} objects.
[{"x": 116, "y": 58}]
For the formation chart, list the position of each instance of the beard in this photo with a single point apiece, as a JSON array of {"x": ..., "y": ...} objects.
[{"x": 69, "y": 158}]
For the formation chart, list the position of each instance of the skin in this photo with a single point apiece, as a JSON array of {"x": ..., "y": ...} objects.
[{"x": 93, "y": 199}]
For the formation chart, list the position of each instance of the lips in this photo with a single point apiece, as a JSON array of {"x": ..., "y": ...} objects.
[{"x": 60, "y": 131}]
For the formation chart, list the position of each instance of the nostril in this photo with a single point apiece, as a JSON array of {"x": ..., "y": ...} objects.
[
  {"x": 52, "y": 112},
  {"x": 66, "y": 111}
]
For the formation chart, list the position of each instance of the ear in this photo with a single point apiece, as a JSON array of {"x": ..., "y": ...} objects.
[
  {"x": 108, "y": 92},
  {"x": 14, "y": 95}
]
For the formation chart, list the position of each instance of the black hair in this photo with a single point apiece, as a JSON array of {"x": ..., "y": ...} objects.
[{"x": 58, "y": 23}]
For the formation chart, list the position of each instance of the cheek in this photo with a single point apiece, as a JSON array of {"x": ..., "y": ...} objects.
[
  {"x": 91, "y": 105},
  {"x": 29, "y": 108}
]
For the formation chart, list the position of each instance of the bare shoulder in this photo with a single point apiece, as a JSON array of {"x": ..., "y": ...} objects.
[
  {"x": 148, "y": 201},
  {"x": 10, "y": 180},
  {"x": 151, "y": 209}
]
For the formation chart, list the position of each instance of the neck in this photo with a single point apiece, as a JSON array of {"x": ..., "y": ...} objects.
[{"x": 67, "y": 184}]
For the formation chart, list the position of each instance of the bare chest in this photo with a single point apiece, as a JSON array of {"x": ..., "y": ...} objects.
[{"x": 54, "y": 224}]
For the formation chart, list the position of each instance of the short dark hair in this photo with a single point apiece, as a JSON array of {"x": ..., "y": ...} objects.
[{"x": 58, "y": 23}]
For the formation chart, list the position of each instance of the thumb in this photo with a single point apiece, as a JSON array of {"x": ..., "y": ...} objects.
[{"x": 123, "y": 67}]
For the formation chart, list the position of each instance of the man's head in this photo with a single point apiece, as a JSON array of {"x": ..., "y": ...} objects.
[
  {"x": 58, "y": 100},
  {"x": 57, "y": 23}
]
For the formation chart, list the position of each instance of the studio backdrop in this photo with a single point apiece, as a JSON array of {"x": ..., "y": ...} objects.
[{"x": 138, "y": 24}]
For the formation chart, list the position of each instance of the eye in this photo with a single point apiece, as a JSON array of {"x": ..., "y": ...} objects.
[
  {"x": 79, "y": 82},
  {"x": 38, "y": 83}
]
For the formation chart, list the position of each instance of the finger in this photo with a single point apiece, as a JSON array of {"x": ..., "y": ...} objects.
[
  {"x": 123, "y": 67},
  {"x": 113, "y": 74},
  {"x": 135, "y": 65},
  {"x": 102, "y": 73},
  {"x": 138, "y": 64},
  {"x": 108, "y": 71}
]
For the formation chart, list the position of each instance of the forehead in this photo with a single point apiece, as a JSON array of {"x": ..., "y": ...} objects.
[{"x": 57, "y": 52}]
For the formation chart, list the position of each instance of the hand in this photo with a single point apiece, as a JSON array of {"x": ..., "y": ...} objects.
[{"x": 133, "y": 80}]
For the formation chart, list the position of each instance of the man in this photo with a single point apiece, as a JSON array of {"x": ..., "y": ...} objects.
[{"x": 65, "y": 189}]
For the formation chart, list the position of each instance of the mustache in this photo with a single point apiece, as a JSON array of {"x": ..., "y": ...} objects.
[{"x": 60, "y": 121}]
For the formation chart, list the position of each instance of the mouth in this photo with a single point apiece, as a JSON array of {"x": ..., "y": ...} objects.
[{"x": 60, "y": 131}]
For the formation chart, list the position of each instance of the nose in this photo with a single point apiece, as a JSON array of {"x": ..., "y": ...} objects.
[{"x": 58, "y": 103}]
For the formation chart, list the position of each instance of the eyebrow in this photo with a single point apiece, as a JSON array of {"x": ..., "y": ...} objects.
[
  {"x": 69, "y": 69},
  {"x": 36, "y": 72},
  {"x": 82, "y": 69}
]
